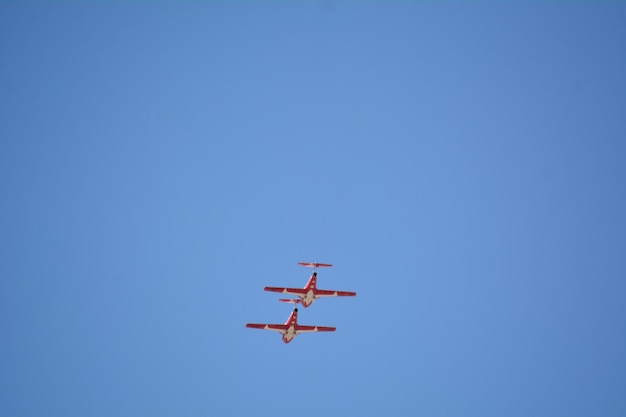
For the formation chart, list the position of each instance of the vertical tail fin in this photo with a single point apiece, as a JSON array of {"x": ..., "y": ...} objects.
[
  {"x": 293, "y": 318},
  {"x": 312, "y": 282}
]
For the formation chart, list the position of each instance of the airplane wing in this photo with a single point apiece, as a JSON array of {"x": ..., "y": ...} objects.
[
  {"x": 283, "y": 290},
  {"x": 330, "y": 293},
  {"x": 306, "y": 329},
  {"x": 275, "y": 327}
]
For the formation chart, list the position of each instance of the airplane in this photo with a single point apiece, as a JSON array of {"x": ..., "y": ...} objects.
[
  {"x": 291, "y": 328},
  {"x": 310, "y": 292}
]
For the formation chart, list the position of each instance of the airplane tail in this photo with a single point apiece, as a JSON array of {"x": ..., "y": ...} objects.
[
  {"x": 290, "y": 300},
  {"x": 314, "y": 265},
  {"x": 292, "y": 320}
]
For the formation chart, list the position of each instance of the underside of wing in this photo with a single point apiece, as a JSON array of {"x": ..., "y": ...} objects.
[
  {"x": 331, "y": 293},
  {"x": 283, "y": 290},
  {"x": 262, "y": 326},
  {"x": 307, "y": 329}
]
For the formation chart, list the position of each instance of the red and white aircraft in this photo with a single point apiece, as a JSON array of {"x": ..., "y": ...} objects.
[
  {"x": 291, "y": 328},
  {"x": 310, "y": 293}
]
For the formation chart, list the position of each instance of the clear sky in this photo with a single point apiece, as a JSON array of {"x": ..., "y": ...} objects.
[{"x": 462, "y": 164}]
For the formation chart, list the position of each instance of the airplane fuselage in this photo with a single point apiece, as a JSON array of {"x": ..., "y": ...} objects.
[
  {"x": 308, "y": 298},
  {"x": 289, "y": 334}
]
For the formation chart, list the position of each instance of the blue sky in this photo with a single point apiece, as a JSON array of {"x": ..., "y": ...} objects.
[{"x": 462, "y": 164}]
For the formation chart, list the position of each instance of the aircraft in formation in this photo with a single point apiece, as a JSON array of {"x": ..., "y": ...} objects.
[
  {"x": 291, "y": 328},
  {"x": 310, "y": 292},
  {"x": 306, "y": 296}
]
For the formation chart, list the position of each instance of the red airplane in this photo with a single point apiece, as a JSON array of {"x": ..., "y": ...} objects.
[
  {"x": 291, "y": 328},
  {"x": 310, "y": 293}
]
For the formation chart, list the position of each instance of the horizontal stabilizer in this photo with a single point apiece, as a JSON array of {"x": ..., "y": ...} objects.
[
  {"x": 314, "y": 265},
  {"x": 290, "y": 300}
]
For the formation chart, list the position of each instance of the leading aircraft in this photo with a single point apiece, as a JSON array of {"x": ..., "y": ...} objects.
[
  {"x": 291, "y": 328},
  {"x": 310, "y": 292}
]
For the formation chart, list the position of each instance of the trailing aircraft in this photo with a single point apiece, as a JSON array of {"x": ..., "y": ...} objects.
[{"x": 310, "y": 292}]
